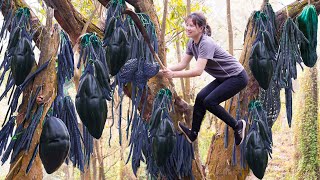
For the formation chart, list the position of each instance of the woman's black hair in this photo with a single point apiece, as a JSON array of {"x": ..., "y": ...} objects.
[{"x": 200, "y": 20}]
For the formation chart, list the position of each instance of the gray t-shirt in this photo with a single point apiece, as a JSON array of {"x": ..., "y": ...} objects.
[{"x": 220, "y": 63}]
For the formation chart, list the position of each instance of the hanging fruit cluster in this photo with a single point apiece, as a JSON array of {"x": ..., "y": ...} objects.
[
  {"x": 94, "y": 87},
  {"x": 258, "y": 140}
]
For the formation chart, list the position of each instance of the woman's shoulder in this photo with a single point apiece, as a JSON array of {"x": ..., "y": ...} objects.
[{"x": 207, "y": 40}]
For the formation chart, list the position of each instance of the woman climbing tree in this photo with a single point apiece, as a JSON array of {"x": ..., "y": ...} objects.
[{"x": 230, "y": 77}]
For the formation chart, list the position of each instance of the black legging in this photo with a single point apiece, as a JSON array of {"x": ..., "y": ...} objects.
[{"x": 213, "y": 94}]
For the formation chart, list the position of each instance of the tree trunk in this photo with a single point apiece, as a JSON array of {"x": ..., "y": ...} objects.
[
  {"x": 122, "y": 165},
  {"x": 178, "y": 48},
  {"x": 86, "y": 175},
  {"x": 163, "y": 30},
  {"x": 99, "y": 153},
  {"x": 187, "y": 80},
  {"x": 230, "y": 31},
  {"x": 308, "y": 139},
  {"x": 94, "y": 160}
]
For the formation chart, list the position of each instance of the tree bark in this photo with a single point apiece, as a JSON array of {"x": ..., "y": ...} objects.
[{"x": 308, "y": 128}]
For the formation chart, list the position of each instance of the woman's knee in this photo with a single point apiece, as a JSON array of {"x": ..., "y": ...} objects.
[
  {"x": 210, "y": 102},
  {"x": 200, "y": 98}
]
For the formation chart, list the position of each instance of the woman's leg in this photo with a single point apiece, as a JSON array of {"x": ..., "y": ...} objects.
[
  {"x": 224, "y": 91},
  {"x": 209, "y": 98},
  {"x": 199, "y": 110}
]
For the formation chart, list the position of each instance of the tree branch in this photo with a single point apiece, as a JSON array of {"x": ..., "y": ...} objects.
[
  {"x": 70, "y": 19},
  {"x": 294, "y": 10}
]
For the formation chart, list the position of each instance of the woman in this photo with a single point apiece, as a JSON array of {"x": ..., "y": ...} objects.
[{"x": 230, "y": 77}]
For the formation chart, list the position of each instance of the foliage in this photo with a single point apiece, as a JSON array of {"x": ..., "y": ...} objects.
[
  {"x": 177, "y": 11},
  {"x": 86, "y": 8}
]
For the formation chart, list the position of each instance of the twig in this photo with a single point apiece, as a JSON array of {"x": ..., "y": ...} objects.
[
  {"x": 112, "y": 153},
  {"x": 115, "y": 162},
  {"x": 174, "y": 36},
  {"x": 14, "y": 167}
]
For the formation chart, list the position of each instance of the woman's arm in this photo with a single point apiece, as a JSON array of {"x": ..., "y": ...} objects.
[
  {"x": 193, "y": 72},
  {"x": 181, "y": 65}
]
